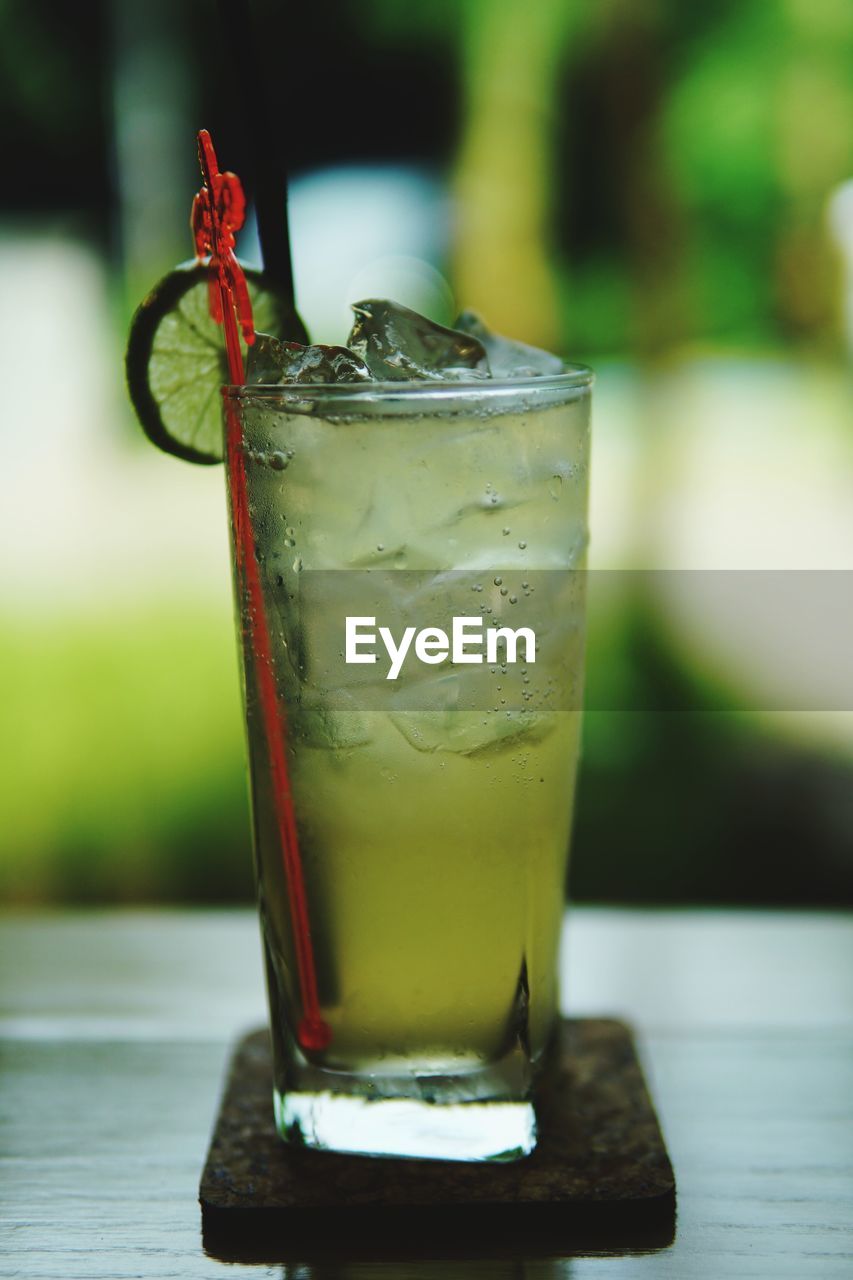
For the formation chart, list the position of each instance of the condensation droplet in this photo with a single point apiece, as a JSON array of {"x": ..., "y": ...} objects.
[
  {"x": 278, "y": 461},
  {"x": 555, "y": 487}
]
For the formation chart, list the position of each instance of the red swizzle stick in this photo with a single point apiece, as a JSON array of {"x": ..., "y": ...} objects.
[{"x": 218, "y": 212}]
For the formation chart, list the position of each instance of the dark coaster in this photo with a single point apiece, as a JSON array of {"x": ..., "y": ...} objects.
[{"x": 599, "y": 1179}]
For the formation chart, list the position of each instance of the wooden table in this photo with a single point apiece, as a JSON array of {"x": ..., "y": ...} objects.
[{"x": 115, "y": 1029}]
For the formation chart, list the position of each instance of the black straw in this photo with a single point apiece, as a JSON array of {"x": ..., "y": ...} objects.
[{"x": 265, "y": 126}]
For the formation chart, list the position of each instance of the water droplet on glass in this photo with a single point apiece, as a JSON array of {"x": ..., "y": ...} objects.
[
  {"x": 498, "y": 581},
  {"x": 505, "y": 531},
  {"x": 278, "y": 461},
  {"x": 513, "y": 599},
  {"x": 522, "y": 546}
]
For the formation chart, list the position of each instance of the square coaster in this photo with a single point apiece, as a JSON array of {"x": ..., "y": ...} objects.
[{"x": 599, "y": 1179}]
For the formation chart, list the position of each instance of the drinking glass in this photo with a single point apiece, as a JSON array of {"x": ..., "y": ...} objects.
[{"x": 414, "y": 893}]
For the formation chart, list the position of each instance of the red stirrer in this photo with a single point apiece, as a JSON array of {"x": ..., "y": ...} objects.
[{"x": 218, "y": 212}]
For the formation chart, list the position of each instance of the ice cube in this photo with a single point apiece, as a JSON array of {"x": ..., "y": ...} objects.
[
  {"x": 473, "y": 733},
  {"x": 273, "y": 361},
  {"x": 508, "y": 358},
  {"x": 399, "y": 345},
  {"x": 328, "y": 726}
]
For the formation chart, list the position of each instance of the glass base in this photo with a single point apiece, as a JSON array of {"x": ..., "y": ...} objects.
[
  {"x": 432, "y": 1106},
  {"x": 407, "y": 1127}
]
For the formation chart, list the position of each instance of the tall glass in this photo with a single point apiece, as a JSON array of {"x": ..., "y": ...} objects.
[{"x": 433, "y": 806}]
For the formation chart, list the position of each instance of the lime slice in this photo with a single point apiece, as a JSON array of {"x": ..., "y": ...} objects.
[{"x": 176, "y": 359}]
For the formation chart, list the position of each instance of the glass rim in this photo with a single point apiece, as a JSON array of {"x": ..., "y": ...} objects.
[{"x": 574, "y": 377}]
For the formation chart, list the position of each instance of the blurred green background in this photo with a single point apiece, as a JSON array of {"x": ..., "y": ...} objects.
[{"x": 662, "y": 190}]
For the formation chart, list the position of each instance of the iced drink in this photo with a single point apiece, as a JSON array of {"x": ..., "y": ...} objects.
[
  {"x": 433, "y": 807},
  {"x": 408, "y": 518}
]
